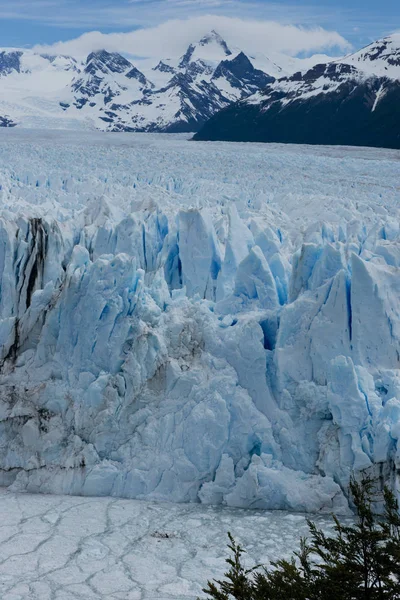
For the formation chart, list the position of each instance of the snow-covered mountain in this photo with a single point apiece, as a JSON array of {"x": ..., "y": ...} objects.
[
  {"x": 107, "y": 91},
  {"x": 381, "y": 58},
  {"x": 351, "y": 101},
  {"x": 107, "y": 84}
]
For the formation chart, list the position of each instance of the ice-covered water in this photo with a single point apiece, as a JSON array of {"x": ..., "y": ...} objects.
[
  {"x": 197, "y": 322},
  {"x": 69, "y": 548}
]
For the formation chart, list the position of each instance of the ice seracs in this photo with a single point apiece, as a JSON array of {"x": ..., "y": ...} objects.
[{"x": 206, "y": 330}]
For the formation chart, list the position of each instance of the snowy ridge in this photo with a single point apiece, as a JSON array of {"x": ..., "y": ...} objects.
[
  {"x": 351, "y": 101},
  {"x": 223, "y": 333},
  {"x": 381, "y": 58},
  {"x": 321, "y": 79}
]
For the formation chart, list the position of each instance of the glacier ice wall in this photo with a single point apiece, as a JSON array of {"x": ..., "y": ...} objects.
[{"x": 155, "y": 345}]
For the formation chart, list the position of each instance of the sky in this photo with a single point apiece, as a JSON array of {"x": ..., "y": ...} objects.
[{"x": 164, "y": 27}]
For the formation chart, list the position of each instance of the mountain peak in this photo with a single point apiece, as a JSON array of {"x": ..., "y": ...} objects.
[
  {"x": 215, "y": 38},
  {"x": 98, "y": 55},
  {"x": 211, "y": 48},
  {"x": 381, "y": 58},
  {"x": 9, "y": 62},
  {"x": 241, "y": 74},
  {"x": 106, "y": 62}
]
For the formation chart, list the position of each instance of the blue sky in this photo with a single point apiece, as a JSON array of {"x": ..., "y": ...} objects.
[{"x": 30, "y": 22}]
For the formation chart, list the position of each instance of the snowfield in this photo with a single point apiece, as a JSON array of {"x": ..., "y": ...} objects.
[{"x": 197, "y": 322}]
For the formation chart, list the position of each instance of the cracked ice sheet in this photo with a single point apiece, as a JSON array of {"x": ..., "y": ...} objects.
[{"x": 70, "y": 548}]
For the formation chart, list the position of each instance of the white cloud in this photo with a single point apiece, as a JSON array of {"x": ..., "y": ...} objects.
[{"x": 170, "y": 39}]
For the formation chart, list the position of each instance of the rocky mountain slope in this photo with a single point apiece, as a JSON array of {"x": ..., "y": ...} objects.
[
  {"x": 353, "y": 101},
  {"x": 108, "y": 92}
]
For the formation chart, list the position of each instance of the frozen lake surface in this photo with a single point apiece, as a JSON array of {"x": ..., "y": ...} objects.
[{"x": 70, "y": 548}]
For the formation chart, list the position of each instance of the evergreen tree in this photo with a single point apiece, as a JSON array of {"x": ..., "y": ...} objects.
[{"x": 359, "y": 562}]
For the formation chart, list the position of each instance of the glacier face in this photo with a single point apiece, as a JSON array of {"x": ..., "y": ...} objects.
[{"x": 197, "y": 322}]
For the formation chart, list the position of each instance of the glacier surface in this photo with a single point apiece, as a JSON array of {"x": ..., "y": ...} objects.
[{"x": 196, "y": 322}]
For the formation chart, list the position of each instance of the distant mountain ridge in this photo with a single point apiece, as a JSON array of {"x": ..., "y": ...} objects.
[
  {"x": 351, "y": 101},
  {"x": 107, "y": 91}
]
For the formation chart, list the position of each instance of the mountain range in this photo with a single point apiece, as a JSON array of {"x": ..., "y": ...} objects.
[
  {"x": 220, "y": 92},
  {"x": 351, "y": 101},
  {"x": 107, "y": 91}
]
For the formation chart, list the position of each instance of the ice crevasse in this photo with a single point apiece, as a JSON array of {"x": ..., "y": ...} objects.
[{"x": 189, "y": 358}]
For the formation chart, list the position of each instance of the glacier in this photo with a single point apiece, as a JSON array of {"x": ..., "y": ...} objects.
[{"x": 195, "y": 322}]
